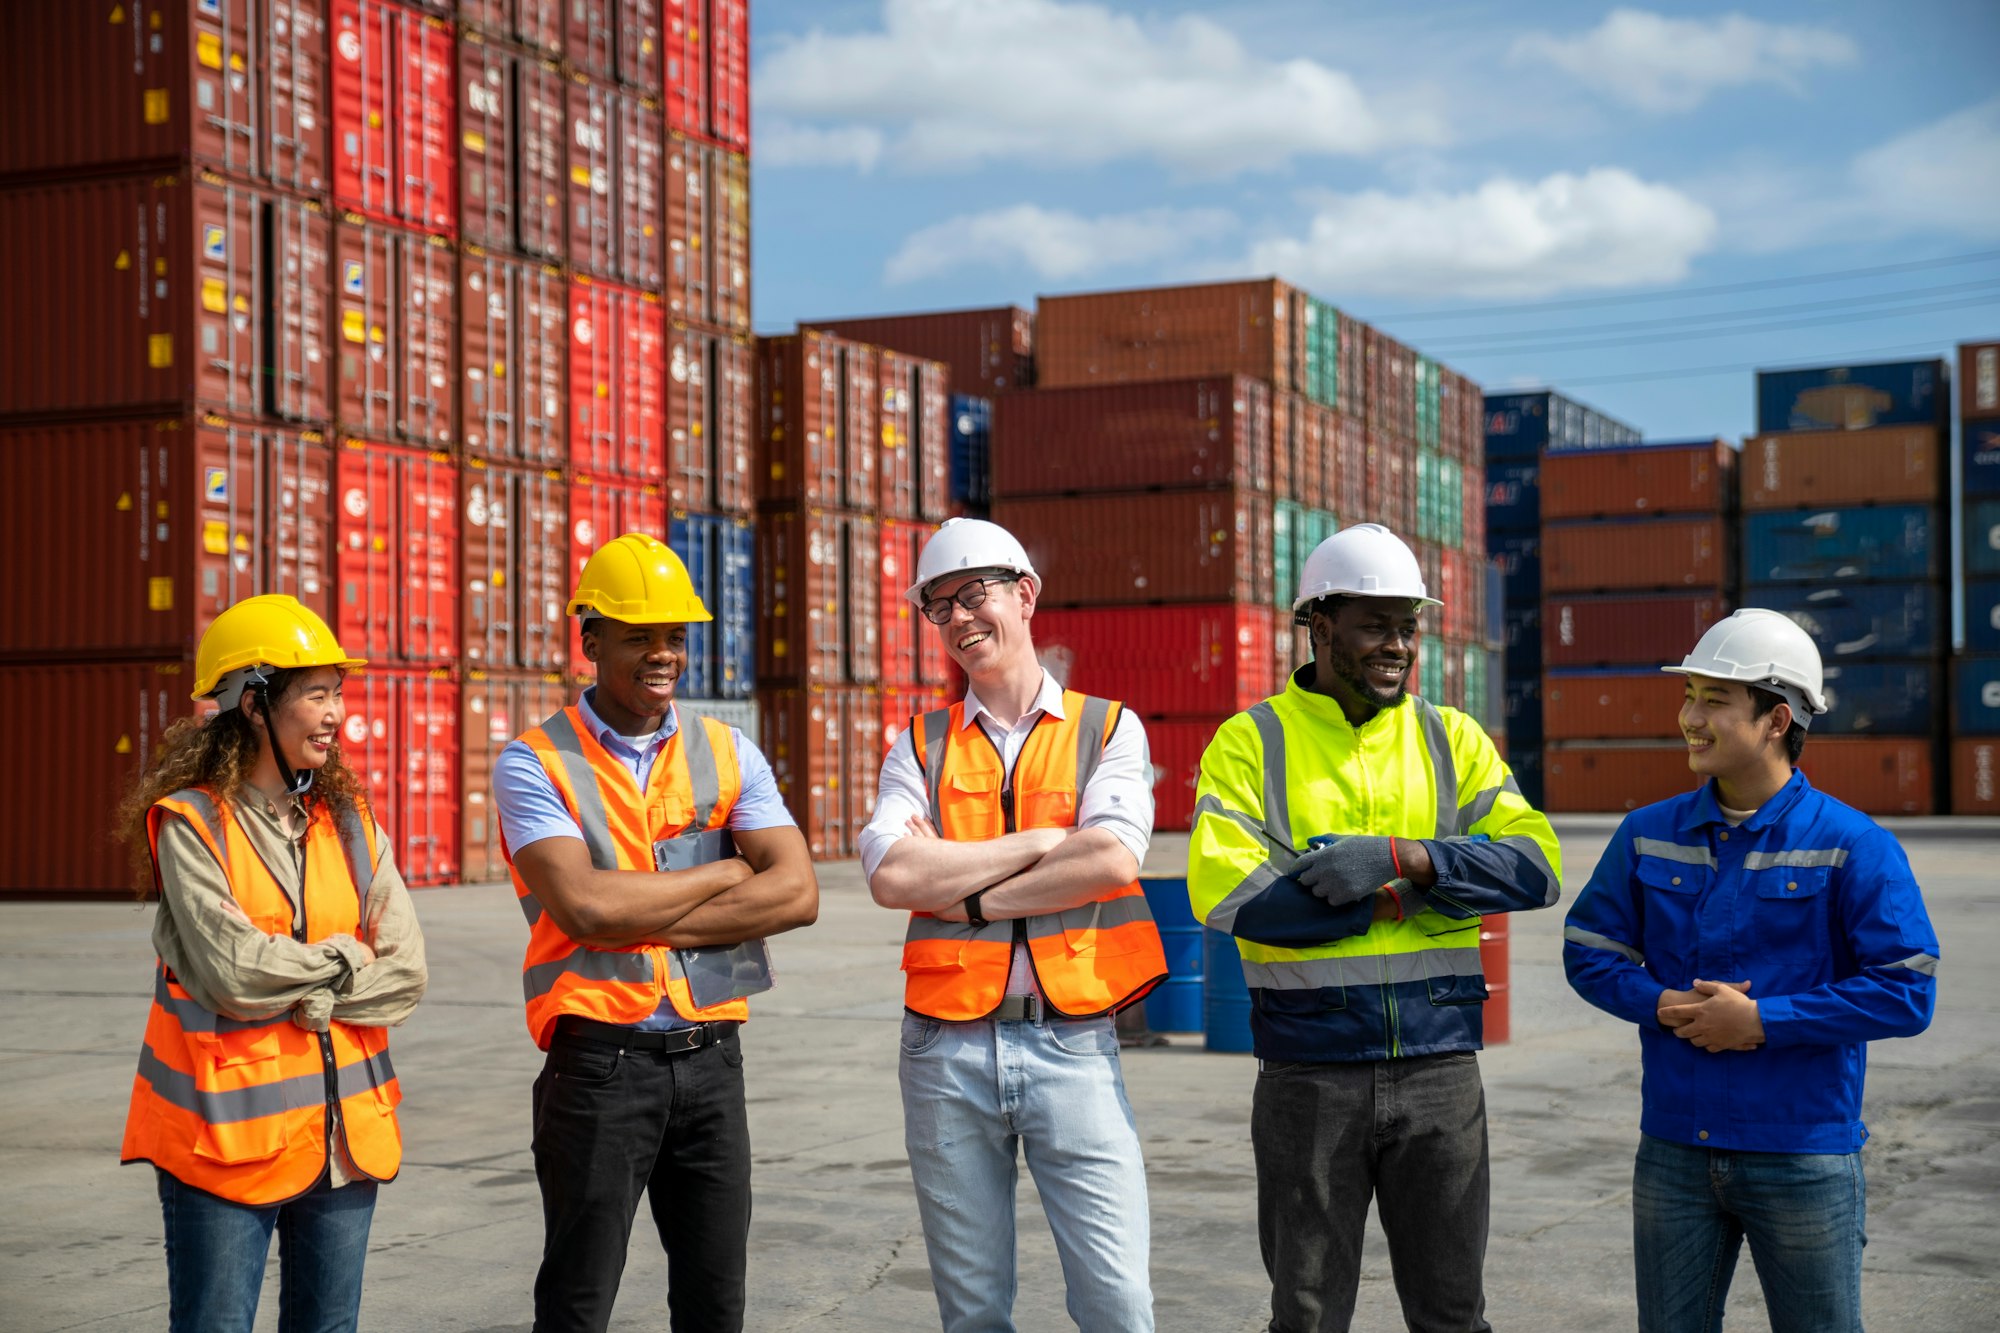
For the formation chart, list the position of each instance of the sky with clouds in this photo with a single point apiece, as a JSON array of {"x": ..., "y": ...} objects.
[{"x": 1634, "y": 204}]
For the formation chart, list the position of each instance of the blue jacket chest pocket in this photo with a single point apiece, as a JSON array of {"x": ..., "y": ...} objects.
[
  {"x": 1788, "y": 912},
  {"x": 1670, "y": 893}
]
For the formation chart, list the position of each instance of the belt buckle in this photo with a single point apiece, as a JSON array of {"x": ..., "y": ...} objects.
[{"x": 1026, "y": 1008}]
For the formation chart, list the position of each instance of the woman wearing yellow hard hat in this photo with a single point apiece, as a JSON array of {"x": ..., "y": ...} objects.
[{"x": 287, "y": 947}]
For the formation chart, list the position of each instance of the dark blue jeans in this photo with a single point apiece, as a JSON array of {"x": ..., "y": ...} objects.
[
  {"x": 1408, "y": 1133},
  {"x": 1803, "y": 1213},
  {"x": 216, "y": 1251}
]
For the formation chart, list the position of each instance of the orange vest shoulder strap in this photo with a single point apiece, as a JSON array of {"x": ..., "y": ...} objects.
[
  {"x": 1096, "y": 719},
  {"x": 930, "y": 734},
  {"x": 698, "y": 744},
  {"x": 565, "y": 745},
  {"x": 203, "y": 813}
]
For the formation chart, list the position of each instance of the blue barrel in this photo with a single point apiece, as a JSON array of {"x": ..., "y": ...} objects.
[
  {"x": 1226, "y": 1000},
  {"x": 1175, "y": 1004}
]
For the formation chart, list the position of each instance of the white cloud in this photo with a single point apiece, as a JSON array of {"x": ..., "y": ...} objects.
[
  {"x": 1666, "y": 64},
  {"x": 1603, "y": 229},
  {"x": 1944, "y": 176},
  {"x": 956, "y": 83},
  {"x": 1053, "y": 244},
  {"x": 784, "y": 144}
]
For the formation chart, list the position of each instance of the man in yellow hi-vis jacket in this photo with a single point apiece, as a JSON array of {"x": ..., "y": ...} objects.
[{"x": 1350, "y": 835}]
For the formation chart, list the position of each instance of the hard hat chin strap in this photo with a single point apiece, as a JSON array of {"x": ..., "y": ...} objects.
[{"x": 296, "y": 783}]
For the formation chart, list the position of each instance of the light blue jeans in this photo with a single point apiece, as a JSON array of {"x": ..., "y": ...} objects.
[
  {"x": 975, "y": 1096},
  {"x": 1804, "y": 1215}
]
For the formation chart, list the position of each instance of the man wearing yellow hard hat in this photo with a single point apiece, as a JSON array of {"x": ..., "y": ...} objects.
[{"x": 652, "y": 855}]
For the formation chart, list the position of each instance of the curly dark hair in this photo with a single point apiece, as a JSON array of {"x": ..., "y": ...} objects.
[{"x": 218, "y": 752}]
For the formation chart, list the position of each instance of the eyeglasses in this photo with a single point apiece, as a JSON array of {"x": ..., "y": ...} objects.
[{"x": 972, "y": 596}]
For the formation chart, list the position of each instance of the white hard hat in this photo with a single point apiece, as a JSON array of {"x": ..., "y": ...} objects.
[
  {"x": 1765, "y": 649},
  {"x": 1366, "y": 560},
  {"x": 965, "y": 545}
]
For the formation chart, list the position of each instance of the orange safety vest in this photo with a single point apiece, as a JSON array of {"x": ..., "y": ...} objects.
[
  {"x": 694, "y": 785},
  {"x": 1092, "y": 959},
  {"x": 243, "y": 1107}
]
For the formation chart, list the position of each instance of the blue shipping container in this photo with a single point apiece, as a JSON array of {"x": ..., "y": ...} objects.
[
  {"x": 1890, "y": 544},
  {"x": 1899, "y": 393},
  {"x": 1982, "y": 539},
  {"x": 971, "y": 450},
  {"x": 1526, "y": 762},
  {"x": 1880, "y": 699},
  {"x": 1514, "y": 497},
  {"x": 1521, "y": 640},
  {"x": 1517, "y": 425},
  {"x": 1856, "y": 621},
  {"x": 1976, "y": 702},
  {"x": 1982, "y": 616},
  {"x": 1979, "y": 443},
  {"x": 1520, "y": 557},
  {"x": 722, "y": 652},
  {"x": 1524, "y": 712}
]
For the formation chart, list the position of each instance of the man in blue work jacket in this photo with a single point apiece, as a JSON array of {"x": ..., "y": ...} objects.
[{"x": 1760, "y": 933}]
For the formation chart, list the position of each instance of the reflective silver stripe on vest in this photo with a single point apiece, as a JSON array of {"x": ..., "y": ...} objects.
[
  {"x": 1277, "y": 794},
  {"x": 1822, "y": 856},
  {"x": 930, "y": 928},
  {"x": 699, "y": 747},
  {"x": 1444, "y": 771},
  {"x": 1386, "y": 969},
  {"x": 937, "y": 730},
  {"x": 531, "y": 908},
  {"x": 1482, "y": 803},
  {"x": 1537, "y": 858},
  {"x": 1264, "y": 874},
  {"x": 237, "y": 1104},
  {"x": 1918, "y": 962},
  {"x": 361, "y": 867},
  {"x": 205, "y": 809},
  {"x": 1090, "y": 740},
  {"x": 1590, "y": 939},
  {"x": 634, "y": 969},
  {"x": 1103, "y": 914},
  {"x": 365, "y": 1075},
  {"x": 193, "y": 1017},
  {"x": 1674, "y": 851},
  {"x": 590, "y": 816}
]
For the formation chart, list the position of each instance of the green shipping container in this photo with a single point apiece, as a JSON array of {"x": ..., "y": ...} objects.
[
  {"x": 1285, "y": 529},
  {"x": 1477, "y": 703},
  {"x": 1322, "y": 379},
  {"x": 1450, "y": 501}
]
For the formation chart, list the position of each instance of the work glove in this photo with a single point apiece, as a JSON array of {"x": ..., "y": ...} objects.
[{"x": 1348, "y": 869}]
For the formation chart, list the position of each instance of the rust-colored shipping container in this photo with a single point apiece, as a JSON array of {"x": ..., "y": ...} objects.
[
  {"x": 1642, "y": 705},
  {"x": 535, "y": 23},
  {"x": 397, "y": 315},
  {"x": 1979, "y": 380},
  {"x": 861, "y": 597},
  {"x": 985, "y": 351},
  {"x": 913, "y": 468},
  {"x": 1290, "y": 446},
  {"x": 498, "y": 708},
  {"x": 1162, "y": 546},
  {"x": 515, "y": 567},
  {"x": 1240, "y": 328},
  {"x": 160, "y": 293},
  {"x": 861, "y": 718},
  {"x": 1162, "y": 661},
  {"x": 395, "y": 524},
  {"x": 816, "y": 404},
  {"x": 1473, "y": 506},
  {"x": 1390, "y": 484},
  {"x": 802, "y": 631},
  {"x": 240, "y": 89},
  {"x": 1875, "y": 775},
  {"x": 1172, "y": 434},
  {"x": 400, "y": 737},
  {"x": 513, "y": 112},
  {"x": 1626, "y": 631},
  {"x": 1347, "y": 484},
  {"x": 1975, "y": 775},
  {"x": 1886, "y": 465},
  {"x": 616, "y": 39},
  {"x": 708, "y": 234},
  {"x": 617, "y": 382},
  {"x": 1640, "y": 554},
  {"x": 600, "y": 509},
  {"x": 513, "y": 336},
  {"x": 804, "y": 734},
  {"x": 167, "y": 522},
  {"x": 711, "y": 405},
  {"x": 1693, "y": 478},
  {"x": 1582, "y": 777},
  {"x": 1878, "y": 776},
  {"x": 729, "y": 74},
  {"x": 394, "y": 114},
  {"x": 617, "y": 215}
]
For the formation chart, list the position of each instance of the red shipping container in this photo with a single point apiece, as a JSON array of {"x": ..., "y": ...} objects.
[
  {"x": 1626, "y": 631},
  {"x": 1975, "y": 776},
  {"x": 394, "y": 111},
  {"x": 93, "y": 728},
  {"x": 397, "y": 315},
  {"x": 536, "y": 23},
  {"x": 171, "y": 522},
  {"x": 984, "y": 351},
  {"x": 498, "y": 708},
  {"x": 1694, "y": 478},
  {"x": 1176, "y": 746},
  {"x": 1289, "y": 426},
  {"x": 1291, "y": 649},
  {"x": 1886, "y": 465},
  {"x": 729, "y": 74},
  {"x": 516, "y": 568},
  {"x": 400, "y": 737},
  {"x": 1585, "y": 777},
  {"x": 1204, "y": 433},
  {"x": 804, "y": 734},
  {"x": 396, "y": 534},
  {"x": 711, "y": 401},
  {"x": 1162, "y": 546},
  {"x": 816, "y": 409},
  {"x": 513, "y": 111},
  {"x": 1611, "y": 705},
  {"x": 1454, "y": 589},
  {"x": 616, "y": 39},
  {"x": 156, "y": 293},
  {"x": 599, "y": 511},
  {"x": 897, "y": 464},
  {"x": 617, "y": 382},
  {"x": 514, "y": 331},
  {"x": 1636, "y": 555},
  {"x": 862, "y": 719},
  {"x": 1168, "y": 333},
  {"x": 708, "y": 234},
  {"x": 1162, "y": 660},
  {"x": 900, "y": 705},
  {"x": 685, "y": 66},
  {"x": 913, "y": 653},
  {"x": 802, "y": 633},
  {"x": 1473, "y": 513},
  {"x": 861, "y": 597}
]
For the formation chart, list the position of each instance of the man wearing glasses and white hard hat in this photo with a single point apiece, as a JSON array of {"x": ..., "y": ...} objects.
[{"x": 1011, "y": 827}]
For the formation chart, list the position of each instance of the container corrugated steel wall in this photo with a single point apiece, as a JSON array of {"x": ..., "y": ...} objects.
[
  {"x": 513, "y": 359},
  {"x": 1122, "y": 550},
  {"x": 1168, "y": 333},
  {"x": 1893, "y": 543},
  {"x": 1615, "y": 704},
  {"x": 396, "y": 312},
  {"x": 1644, "y": 554},
  {"x": 1889, "y": 465},
  {"x": 1853, "y": 397},
  {"x": 394, "y": 100},
  {"x": 1975, "y": 776},
  {"x": 1168, "y": 435},
  {"x": 400, "y": 736},
  {"x": 1639, "y": 479},
  {"x": 513, "y": 115},
  {"x": 1978, "y": 380},
  {"x": 1167, "y": 660},
  {"x": 1854, "y": 621},
  {"x": 1975, "y": 696},
  {"x": 1647, "y": 631},
  {"x": 985, "y": 351},
  {"x": 498, "y": 707}
]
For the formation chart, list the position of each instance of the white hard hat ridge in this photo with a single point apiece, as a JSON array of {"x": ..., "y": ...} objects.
[
  {"x": 963, "y": 545},
  {"x": 1763, "y": 648},
  {"x": 1366, "y": 560}
]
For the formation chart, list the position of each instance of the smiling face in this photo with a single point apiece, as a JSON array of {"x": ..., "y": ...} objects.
[
  {"x": 992, "y": 636},
  {"x": 638, "y": 668},
  {"x": 306, "y": 717},
  {"x": 1725, "y": 737},
  {"x": 1363, "y": 652}
]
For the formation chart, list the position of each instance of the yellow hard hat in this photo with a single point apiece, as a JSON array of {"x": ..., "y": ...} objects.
[
  {"x": 273, "y": 631},
  {"x": 639, "y": 580}
]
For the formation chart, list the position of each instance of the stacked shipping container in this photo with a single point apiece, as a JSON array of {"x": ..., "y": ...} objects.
[
  {"x": 1975, "y": 687},
  {"x": 395, "y": 310}
]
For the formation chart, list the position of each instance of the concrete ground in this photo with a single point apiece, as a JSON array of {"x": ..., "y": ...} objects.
[{"x": 835, "y": 1243}]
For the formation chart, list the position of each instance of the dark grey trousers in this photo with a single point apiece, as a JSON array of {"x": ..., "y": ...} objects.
[{"x": 1409, "y": 1133}]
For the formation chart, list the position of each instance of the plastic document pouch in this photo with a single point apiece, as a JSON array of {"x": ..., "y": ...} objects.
[{"x": 715, "y": 972}]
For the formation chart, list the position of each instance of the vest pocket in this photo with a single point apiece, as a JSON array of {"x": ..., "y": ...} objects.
[
  {"x": 1448, "y": 987},
  {"x": 1314, "y": 1000},
  {"x": 1047, "y": 809}
]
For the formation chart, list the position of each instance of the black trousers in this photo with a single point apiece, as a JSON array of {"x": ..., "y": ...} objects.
[{"x": 611, "y": 1123}]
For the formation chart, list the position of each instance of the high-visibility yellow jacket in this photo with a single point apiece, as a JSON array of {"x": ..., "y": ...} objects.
[{"x": 1327, "y": 983}]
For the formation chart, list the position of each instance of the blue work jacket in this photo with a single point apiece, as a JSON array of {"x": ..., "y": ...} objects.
[{"x": 1810, "y": 901}]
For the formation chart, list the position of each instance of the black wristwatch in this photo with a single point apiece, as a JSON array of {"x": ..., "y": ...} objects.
[{"x": 972, "y": 912}]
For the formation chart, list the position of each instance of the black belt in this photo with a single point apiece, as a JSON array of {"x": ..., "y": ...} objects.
[
  {"x": 1021, "y": 1008},
  {"x": 673, "y": 1041}
]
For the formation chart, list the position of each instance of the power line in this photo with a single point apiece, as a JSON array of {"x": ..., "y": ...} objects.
[
  {"x": 1698, "y": 372},
  {"x": 1688, "y": 293}
]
